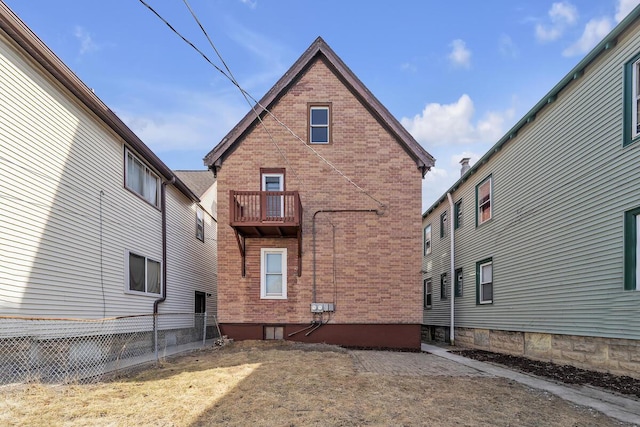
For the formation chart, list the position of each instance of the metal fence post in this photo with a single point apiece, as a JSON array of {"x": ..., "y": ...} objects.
[
  {"x": 204, "y": 328},
  {"x": 155, "y": 335}
]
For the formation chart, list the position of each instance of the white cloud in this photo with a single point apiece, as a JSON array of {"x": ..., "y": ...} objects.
[
  {"x": 251, "y": 3},
  {"x": 408, "y": 66},
  {"x": 460, "y": 56},
  {"x": 192, "y": 121},
  {"x": 561, "y": 15},
  {"x": 436, "y": 182},
  {"x": 87, "y": 44},
  {"x": 507, "y": 47},
  {"x": 443, "y": 124},
  {"x": 624, "y": 7},
  {"x": 595, "y": 30}
]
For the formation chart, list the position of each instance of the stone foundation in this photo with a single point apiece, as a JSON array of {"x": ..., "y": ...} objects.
[{"x": 616, "y": 356}]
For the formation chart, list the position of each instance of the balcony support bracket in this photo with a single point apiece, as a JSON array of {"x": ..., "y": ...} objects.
[
  {"x": 241, "y": 245},
  {"x": 299, "y": 252}
]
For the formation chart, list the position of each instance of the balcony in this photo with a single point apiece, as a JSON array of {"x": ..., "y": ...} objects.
[{"x": 265, "y": 213}]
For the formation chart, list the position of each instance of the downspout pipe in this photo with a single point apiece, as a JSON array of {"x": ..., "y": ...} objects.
[
  {"x": 452, "y": 279},
  {"x": 163, "y": 200}
]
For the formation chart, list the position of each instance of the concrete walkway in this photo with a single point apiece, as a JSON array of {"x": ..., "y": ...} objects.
[{"x": 614, "y": 406}]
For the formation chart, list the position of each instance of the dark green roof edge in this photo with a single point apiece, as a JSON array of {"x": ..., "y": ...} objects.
[{"x": 577, "y": 72}]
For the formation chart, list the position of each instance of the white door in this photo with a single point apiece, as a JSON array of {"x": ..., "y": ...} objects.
[{"x": 274, "y": 204}]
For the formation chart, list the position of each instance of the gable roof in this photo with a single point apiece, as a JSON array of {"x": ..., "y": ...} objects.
[
  {"x": 319, "y": 48},
  {"x": 199, "y": 181},
  {"x": 606, "y": 44},
  {"x": 32, "y": 46}
]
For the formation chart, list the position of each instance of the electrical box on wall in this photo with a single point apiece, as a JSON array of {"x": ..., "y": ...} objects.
[{"x": 321, "y": 307}]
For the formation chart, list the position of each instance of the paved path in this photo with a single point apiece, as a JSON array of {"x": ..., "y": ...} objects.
[{"x": 437, "y": 361}]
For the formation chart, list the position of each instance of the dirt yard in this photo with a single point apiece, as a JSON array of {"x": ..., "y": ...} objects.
[{"x": 288, "y": 384}]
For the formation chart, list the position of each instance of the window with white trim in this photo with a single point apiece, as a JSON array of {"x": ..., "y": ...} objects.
[
  {"x": 141, "y": 180},
  {"x": 632, "y": 249},
  {"x": 273, "y": 273},
  {"x": 483, "y": 198},
  {"x": 484, "y": 281},
  {"x": 199, "y": 224},
  {"x": 428, "y": 291},
  {"x": 319, "y": 124},
  {"x": 144, "y": 274},
  {"x": 631, "y": 120},
  {"x": 427, "y": 240}
]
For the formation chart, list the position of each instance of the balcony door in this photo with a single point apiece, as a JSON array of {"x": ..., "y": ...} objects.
[{"x": 274, "y": 204}]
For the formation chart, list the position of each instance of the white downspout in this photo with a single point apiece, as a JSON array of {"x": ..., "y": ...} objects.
[{"x": 452, "y": 270}]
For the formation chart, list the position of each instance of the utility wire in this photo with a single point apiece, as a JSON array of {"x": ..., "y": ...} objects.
[
  {"x": 244, "y": 94},
  {"x": 247, "y": 94}
]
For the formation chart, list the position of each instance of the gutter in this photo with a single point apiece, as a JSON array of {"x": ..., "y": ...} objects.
[{"x": 452, "y": 271}]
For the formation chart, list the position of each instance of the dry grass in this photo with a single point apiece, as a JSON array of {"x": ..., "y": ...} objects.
[{"x": 286, "y": 384}]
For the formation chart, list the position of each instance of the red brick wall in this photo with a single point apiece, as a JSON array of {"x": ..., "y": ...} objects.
[{"x": 378, "y": 258}]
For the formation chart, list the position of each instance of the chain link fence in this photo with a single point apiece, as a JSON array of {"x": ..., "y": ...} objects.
[{"x": 83, "y": 350}]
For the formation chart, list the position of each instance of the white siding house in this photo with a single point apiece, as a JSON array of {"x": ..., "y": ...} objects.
[{"x": 84, "y": 204}]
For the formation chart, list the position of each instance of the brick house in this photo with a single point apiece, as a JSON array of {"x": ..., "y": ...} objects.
[{"x": 319, "y": 203}]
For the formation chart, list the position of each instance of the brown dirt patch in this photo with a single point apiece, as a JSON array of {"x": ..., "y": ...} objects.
[
  {"x": 562, "y": 373},
  {"x": 287, "y": 384}
]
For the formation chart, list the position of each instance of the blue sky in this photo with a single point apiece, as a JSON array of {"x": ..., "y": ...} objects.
[{"x": 457, "y": 74}]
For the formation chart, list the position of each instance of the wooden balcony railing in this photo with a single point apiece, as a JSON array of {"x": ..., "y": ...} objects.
[{"x": 263, "y": 210}]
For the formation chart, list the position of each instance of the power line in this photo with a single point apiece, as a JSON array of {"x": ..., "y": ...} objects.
[{"x": 247, "y": 94}]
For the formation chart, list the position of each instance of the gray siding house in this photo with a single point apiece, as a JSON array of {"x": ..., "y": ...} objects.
[
  {"x": 543, "y": 228},
  {"x": 92, "y": 223}
]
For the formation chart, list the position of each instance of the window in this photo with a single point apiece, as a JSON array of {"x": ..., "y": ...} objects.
[
  {"x": 273, "y": 273},
  {"x": 457, "y": 214},
  {"x": 443, "y": 224},
  {"x": 631, "y": 130},
  {"x": 274, "y": 332},
  {"x": 484, "y": 281},
  {"x": 319, "y": 124},
  {"x": 427, "y": 239},
  {"x": 141, "y": 180},
  {"x": 483, "y": 201},
  {"x": 443, "y": 286},
  {"x": 631, "y": 249},
  {"x": 427, "y": 293},
  {"x": 273, "y": 182},
  {"x": 199, "y": 224},
  {"x": 144, "y": 274},
  {"x": 458, "y": 283}
]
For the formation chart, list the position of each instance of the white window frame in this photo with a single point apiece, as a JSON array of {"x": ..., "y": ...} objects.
[
  {"x": 312, "y": 125},
  {"x": 482, "y": 282},
  {"x": 127, "y": 288},
  {"x": 426, "y": 232},
  {"x": 635, "y": 98},
  {"x": 200, "y": 223},
  {"x": 281, "y": 188},
  {"x": 263, "y": 273},
  {"x": 489, "y": 201},
  {"x": 151, "y": 198}
]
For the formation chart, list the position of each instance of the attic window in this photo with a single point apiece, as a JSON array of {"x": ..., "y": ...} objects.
[{"x": 319, "y": 118}]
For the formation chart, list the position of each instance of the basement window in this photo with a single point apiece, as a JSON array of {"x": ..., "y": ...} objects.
[{"x": 274, "y": 332}]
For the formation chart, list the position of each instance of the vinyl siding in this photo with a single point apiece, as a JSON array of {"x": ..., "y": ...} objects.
[
  {"x": 191, "y": 263},
  {"x": 560, "y": 190},
  {"x": 66, "y": 220}
]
